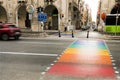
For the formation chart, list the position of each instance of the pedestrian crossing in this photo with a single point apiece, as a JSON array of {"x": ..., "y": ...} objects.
[{"x": 84, "y": 59}]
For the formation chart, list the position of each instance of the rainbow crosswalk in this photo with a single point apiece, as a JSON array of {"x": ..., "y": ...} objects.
[{"x": 83, "y": 59}]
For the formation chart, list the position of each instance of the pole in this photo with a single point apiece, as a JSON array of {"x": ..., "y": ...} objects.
[
  {"x": 116, "y": 25},
  {"x": 72, "y": 34},
  {"x": 116, "y": 22},
  {"x": 87, "y": 34},
  {"x": 59, "y": 33},
  {"x": 38, "y": 26}
]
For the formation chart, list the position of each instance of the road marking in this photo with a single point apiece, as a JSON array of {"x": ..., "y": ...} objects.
[
  {"x": 47, "y": 68},
  {"x": 117, "y": 72},
  {"x": 115, "y": 68},
  {"x": 43, "y": 73},
  {"x": 51, "y": 64},
  {"x": 113, "y": 64},
  {"x": 35, "y": 54},
  {"x": 55, "y": 61},
  {"x": 113, "y": 60},
  {"x": 83, "y": 59},
  {"x": 41, "y": 43}
]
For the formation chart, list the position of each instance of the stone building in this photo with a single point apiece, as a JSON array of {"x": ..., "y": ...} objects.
[
  {"x": 59, "y": 13},
  {"x": 106, "y": 7}
]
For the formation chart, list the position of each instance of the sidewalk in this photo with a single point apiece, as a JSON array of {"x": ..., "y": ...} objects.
[
  {"x": 36, "y": 34},
  {"x": 76, "y": 34}
]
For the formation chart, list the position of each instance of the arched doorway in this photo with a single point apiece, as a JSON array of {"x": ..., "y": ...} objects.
[
  {"x": 76, "y": 19},
  {"x": 23, "y": 17},
  {"x": 3, "y": 15},
  {"x": 52, "y": 17}
]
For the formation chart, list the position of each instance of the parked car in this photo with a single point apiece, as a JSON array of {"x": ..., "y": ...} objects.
[{"x": 8, "y": 30}]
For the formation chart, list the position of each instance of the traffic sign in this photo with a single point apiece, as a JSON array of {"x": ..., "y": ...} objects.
[
  {"x": 30, "y": 9},
  {"x": 42, "y": 17}
]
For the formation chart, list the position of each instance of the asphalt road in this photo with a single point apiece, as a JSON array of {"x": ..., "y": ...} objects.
[
  {"x": 28, "y": 59},
  {"x": 114, "y": 48}
]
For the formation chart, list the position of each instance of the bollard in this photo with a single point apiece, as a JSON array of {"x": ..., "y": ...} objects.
[
  {"x": 87, "y": 34},
  {"x": 72, "y": 34},
  {"x": 59, "y": 33}
]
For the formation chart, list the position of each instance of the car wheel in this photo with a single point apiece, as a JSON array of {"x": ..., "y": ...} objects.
[{"x": 5, "y": 37}]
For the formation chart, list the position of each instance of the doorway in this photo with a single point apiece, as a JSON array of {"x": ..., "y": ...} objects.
[
  {"x": 23, "y": 17},
  {"x": 52, "y": 17},
  {"x": 3, "y": 15}
]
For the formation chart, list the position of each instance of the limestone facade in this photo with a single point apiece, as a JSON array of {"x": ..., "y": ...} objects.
[{"x": 59, "y": 13}]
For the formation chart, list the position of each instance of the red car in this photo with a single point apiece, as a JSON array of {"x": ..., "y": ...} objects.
[{"x": 8, "y": 30}]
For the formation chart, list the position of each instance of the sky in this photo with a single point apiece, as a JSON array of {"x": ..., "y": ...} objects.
[{"x": 93, "y": 4}]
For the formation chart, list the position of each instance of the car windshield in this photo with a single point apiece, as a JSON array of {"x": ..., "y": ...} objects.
[{"x": 12, "y": 26}]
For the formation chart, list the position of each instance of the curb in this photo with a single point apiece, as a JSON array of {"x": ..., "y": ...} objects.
[{"x": 112, "y": 37}]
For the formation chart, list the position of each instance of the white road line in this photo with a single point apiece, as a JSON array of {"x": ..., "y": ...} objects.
[
  {"x": 47, "y": 68},
  {"x": 51, "y": 64},
  {"x": 115, "y": 68},
  {"x": 55, "y": 61},
  {"x": 41, "y": 43},
  {"x": 43, "y": 73},
  {"x": 34, "y": 54},
  {"x": 117, "y": 72},
  {"x": 113, "y": 64}
]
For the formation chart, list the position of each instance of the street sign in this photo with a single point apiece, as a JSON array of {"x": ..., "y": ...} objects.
[
  {"x": 30, "y": 9},
  {"x": 42, "y": 17}
]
